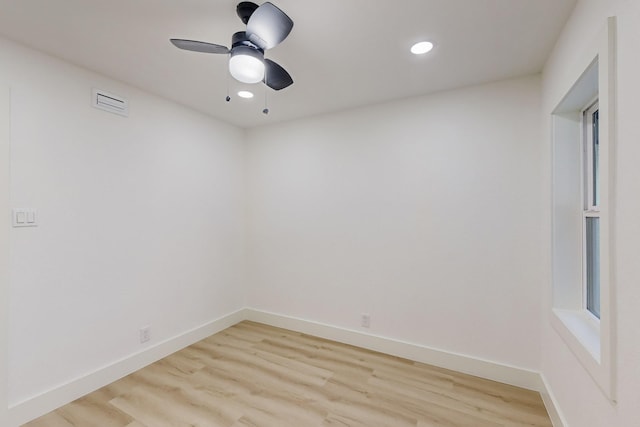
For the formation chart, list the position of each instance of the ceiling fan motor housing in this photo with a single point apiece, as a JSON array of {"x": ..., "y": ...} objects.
[{"x": 240, "y": 39}]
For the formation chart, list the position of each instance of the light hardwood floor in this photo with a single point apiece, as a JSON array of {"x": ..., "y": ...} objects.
[{"x": 256, "y": 375}]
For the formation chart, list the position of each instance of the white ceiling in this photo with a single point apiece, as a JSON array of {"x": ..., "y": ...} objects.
[{"x": 341, "y": 53}]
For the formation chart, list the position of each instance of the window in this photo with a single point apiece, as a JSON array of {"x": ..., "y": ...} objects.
[
  {"x": 591, "y": 210},
  {"x": 583, "y": 125}
]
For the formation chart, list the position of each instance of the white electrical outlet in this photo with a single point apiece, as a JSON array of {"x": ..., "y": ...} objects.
[
  {"x": 145, "y": 334},
  {"x": 365, "y": 320}
]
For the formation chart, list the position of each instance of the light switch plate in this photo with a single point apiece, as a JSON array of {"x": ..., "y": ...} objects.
[{"x": 24, "y": 217}]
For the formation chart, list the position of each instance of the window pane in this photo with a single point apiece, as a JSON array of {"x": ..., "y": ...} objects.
[
  {"x": 596, "y": 160},
  {"x": 593, "y": 265}
]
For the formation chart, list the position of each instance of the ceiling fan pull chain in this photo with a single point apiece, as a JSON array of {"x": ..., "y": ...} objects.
[
  {"x": 228, "y": 98},
  {"x": 266, "y": 108}
]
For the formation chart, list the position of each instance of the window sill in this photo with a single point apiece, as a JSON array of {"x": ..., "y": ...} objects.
[{"x": 579, "y": 327}]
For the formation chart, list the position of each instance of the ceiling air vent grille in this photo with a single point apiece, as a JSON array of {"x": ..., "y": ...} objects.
[{"x": 110, "y": 102}]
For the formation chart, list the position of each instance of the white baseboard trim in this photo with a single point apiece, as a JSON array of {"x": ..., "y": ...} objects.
[
  {"x": 550, "y": 402},
  {"x": 48, "y": 401},
  {"x": 458, "y": 362}
]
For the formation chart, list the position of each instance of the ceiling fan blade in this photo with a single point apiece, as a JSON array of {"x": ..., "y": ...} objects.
[
  {"x": 245, "y": 9},
  {"x": 197, "y": 46},
  {"x": 268, "y": 26},
  {"x": 275, "y": 76}
]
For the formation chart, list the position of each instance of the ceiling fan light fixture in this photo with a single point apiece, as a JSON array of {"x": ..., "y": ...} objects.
[
  {"x": 421, "y": 48},
  {"x": 246, "y": 64},
  {"x": 266, "y": 27}
]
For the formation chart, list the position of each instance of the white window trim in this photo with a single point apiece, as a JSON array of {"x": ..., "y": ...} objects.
[
  {"x": 592, "y": 342},
  {"x": 584, "y": 328}
]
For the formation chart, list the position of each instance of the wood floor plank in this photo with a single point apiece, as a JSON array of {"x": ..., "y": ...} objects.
[
  {"x": 53, "y": 419},
  {"x": 94, "y": 410},
  {"x": 254, "y": 375}
]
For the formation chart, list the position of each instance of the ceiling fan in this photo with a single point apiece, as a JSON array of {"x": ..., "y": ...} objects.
[{"x": 267, "y": 27}]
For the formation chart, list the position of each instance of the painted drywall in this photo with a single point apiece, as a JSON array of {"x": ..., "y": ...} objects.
[
  {"x": 5, "y": 164},
  {"x": 577, "y": 396},
  {"x": 141, "y": 222},
  {"x": 424, "y": 214}
]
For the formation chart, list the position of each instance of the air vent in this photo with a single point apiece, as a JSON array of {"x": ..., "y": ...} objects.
[{"x": 110, "y": 102}]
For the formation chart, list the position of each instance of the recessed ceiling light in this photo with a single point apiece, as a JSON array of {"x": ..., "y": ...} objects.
[
  {"x": 245, "y": 94},
  {"x": 421, "y": 48}
]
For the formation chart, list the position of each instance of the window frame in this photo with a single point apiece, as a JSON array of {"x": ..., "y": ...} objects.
[
  {"x": 591, "y": 206},
  {"x": 592, "y": 342}
]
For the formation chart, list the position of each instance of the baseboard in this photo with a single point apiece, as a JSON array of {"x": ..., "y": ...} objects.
[
  {"x": 52, "y": 399},
  {"x": 519, "y": 377},
  {"x": 557, "y": 419}
]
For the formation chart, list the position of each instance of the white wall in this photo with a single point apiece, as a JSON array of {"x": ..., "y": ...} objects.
[
  {"x": 141, "y": 222},
  {"x": 577, "y": 395},
  {"x": 423, "y": 213},
  {"x": 5, "y": 162}
]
